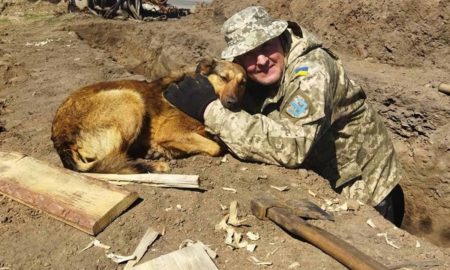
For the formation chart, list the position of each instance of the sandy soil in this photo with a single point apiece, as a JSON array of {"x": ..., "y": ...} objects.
[{"x": 398, "y": 52}]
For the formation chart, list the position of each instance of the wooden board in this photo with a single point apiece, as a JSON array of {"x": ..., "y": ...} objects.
[
  {"x": 80, "y": 201},
  {"x": 152, "y": 179},
  {"x": 189, "y": 258}
]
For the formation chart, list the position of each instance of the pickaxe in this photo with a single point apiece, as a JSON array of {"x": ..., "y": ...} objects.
[{"x": 287, "y": 214}]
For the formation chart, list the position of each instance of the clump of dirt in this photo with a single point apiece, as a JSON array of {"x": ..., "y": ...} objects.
[{"x": 45, "y": 56}]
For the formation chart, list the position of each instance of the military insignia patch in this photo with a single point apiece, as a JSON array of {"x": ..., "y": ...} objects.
[
  {"x": 301, "y": 71},
  {"x": 298, "y": 107}
]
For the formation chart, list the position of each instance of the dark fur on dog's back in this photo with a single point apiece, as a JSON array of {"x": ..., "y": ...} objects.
[{"x": 106, "y": 127}]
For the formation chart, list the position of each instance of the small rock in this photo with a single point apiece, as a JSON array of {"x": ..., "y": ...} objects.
[{"x": 262, "y": 177}]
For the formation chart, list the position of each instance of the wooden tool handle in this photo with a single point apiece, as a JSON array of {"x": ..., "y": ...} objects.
[{"x": 327, "y": 242}]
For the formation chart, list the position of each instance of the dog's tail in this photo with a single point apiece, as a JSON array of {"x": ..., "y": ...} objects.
[
  {"x": 107, "y": 155},
  {"x": 115, "y": 162}
]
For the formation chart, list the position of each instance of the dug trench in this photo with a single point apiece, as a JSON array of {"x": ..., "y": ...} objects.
[
  {"x": 46, "y": 56},
  {"x": 413, "y": 110}
]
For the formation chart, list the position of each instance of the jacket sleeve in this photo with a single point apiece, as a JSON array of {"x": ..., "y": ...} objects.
[{"x": 283, "y": 140}]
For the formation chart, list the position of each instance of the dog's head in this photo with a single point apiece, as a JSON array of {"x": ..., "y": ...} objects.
[{"x": 228, "y": 80}]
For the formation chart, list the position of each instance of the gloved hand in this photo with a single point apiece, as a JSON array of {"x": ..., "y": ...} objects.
[{"x": 191, "y": 95}]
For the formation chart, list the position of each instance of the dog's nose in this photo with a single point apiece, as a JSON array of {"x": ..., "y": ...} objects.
[{"x": 232, "y": 104}]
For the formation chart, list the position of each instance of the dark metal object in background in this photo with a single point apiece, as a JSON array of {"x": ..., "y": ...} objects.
[{"x": 124, "y": 9}]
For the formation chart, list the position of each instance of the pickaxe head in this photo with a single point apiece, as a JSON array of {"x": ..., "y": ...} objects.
[{"x": 301, "y": 208}]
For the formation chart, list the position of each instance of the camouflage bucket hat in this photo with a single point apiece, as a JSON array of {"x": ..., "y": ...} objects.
[{"x": 248, "y": 29}]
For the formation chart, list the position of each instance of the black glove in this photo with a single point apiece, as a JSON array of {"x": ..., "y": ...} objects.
[{"x": 191, "y": 95}]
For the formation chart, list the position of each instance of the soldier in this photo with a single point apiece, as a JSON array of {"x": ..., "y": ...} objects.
[{"x": 300, "y": 110}]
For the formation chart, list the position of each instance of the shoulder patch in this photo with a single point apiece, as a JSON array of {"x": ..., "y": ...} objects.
[
  {"x": 301, "y": 71},
  {"x": 298, "y": 107}
]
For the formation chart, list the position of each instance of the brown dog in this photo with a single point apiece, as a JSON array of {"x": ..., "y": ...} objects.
[{"x": 106, "y": 127}]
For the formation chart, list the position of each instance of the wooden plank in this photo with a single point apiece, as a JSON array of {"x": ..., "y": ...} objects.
[
  {"x": 189, "y": 258},
  {"x": 152, "y": 179},
  {"x": 80, "y": 201}
]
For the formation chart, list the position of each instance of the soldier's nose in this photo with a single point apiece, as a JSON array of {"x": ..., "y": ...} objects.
[{"x": 262, "y": 60}]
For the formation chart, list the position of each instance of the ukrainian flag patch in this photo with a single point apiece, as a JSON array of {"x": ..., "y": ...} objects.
[{"x": 301, "y": 71}]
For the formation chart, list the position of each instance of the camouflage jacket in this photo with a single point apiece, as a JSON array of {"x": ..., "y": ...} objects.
[{"x": 318, "y": 119}]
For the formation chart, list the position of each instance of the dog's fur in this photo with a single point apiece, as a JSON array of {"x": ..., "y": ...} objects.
[{"x": 106, "y": 127}]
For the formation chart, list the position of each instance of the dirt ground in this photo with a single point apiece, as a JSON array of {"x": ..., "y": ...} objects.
[{"x": 399, "y": 52}]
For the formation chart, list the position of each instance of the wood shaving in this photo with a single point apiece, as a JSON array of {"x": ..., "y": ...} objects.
[
  {"x": 272, "y": 252},
  {"x": 391, "y": 243},
  {"x": 95, "y": 243},
  {"x": 224, "y": 159},
  {"x": 238, "y": 243},
  {"x": 254, "y": 260},
  {"x": 229, "y": 237},
  {"x": 242, "y": 244},
  {"x": 312, "y": 193},
  {"x": 233, "y": 219},
  {"x": 233, "y": 190},
  {"x": 282, "y": 188},
  {"x": 237, "y": 237},
  {"x": 146, "y": 241},
  {"x": 417, "y": 244},
  {"x": 328, "y": 202},
  {"x": 294, "y": 265},
  {"x": 253, "y": 236},
  {"x": 251, "y": 247},
  {"x": 233, "y": 239},
  {"x": 264, "y": 176},
  {"x": 119, "y": 258},
  {"x": 223, "y": 207},
  {"x": 223, "y": 225},
  {"x": 370, "y": 223},
  {"x": 342, "y": 207},
  {"x": 244, "y": 168},
  {"x": 333, "y": 207}
]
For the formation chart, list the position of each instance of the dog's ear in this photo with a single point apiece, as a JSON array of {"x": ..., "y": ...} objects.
[{"x": 206, "y": 66}]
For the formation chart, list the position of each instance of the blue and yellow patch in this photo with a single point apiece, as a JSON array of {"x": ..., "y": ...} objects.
[
  {"x": 301, "y": 71},
  {"x": 298, "y": 107}
]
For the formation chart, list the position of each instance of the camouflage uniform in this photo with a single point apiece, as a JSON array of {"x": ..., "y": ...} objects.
[{"x": 318, "y": 119}]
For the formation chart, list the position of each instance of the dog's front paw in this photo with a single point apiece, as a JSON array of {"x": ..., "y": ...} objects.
[{"x": 160, "y": 166}]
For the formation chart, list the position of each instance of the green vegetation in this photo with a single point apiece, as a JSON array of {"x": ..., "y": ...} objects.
[{"x": 4, "y": 20}]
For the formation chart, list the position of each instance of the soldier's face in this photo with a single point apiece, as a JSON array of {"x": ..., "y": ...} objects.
[{"x": 264, "y": 64}]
